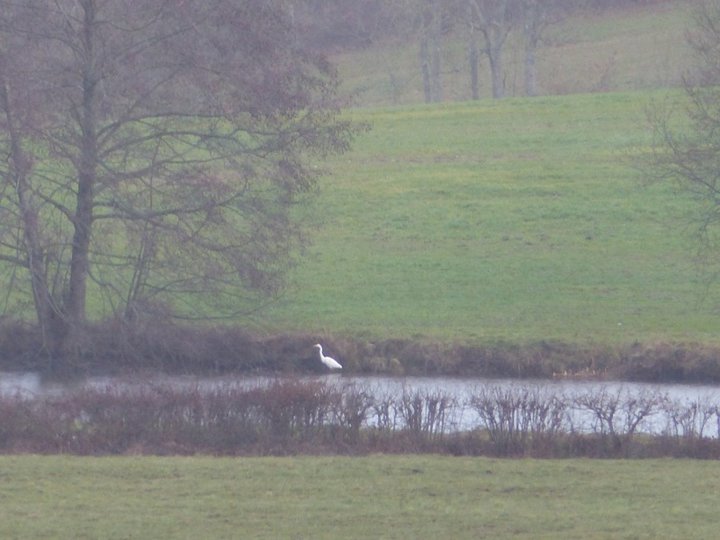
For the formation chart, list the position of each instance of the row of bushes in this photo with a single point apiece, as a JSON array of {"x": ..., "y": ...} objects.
[{"x": 298, "y": 416}]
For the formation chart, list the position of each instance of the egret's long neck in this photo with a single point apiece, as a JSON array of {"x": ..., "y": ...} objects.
[{"x": 320, "y": 350}]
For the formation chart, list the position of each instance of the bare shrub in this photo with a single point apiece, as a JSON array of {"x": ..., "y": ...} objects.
[
  {"x": 616, "y": 416},
  {"x": 689, "y": 419},
  {"x": 519, "y": 418},
  {"x": 163, "y": 418},
  {"x": 426, "y": 412},
  {"x": 384, "y": 413},
  {"x": 297, "y": 409},
  {"x": 290, "y": 416},
  {"x": 351, "y": 411}
]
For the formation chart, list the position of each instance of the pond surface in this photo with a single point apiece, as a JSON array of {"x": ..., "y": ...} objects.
[{"x": 32, "y": 384}]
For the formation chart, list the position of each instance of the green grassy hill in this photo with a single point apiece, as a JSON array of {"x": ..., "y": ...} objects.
[
  {"x": 519, "y": 219},
  {"x": 619, "y": 49},
  {"x": 516, "y": 220}
]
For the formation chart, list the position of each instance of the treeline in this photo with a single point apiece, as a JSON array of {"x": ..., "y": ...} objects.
[
  {"x": 484, "y": 25},
  {"x": 348, "y": 24},
  {"x": 314, "y": 417}
]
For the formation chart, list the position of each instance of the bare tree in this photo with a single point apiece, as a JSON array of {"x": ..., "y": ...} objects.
[
  {"x": 473, "y": 49},
  {"x": 494, "y": 19},
  {"x": 687, "y": 146},
  {"x": 537, "y": 16},
  {"x": 431, "y": 49},
  {"x": 153, "y": 151}
]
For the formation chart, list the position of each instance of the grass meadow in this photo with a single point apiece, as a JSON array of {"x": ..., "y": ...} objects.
[
  {"x": 361, "y": 497},
  {"x": 514, "y": 220}
]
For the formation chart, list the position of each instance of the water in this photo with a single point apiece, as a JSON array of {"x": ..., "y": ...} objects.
[{"x": 30, "y": 385}]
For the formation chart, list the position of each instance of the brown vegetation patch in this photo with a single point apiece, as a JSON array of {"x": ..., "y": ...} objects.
[
  {"x": 117, "y": 346},
  {"x": 293, "y": 416}
]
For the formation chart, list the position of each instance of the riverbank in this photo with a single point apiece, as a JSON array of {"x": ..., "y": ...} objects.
[{"x": 116, "y": 347}]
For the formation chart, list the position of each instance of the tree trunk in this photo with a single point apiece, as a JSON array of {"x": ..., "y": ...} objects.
[
  {"x": 496, "y": 71},
  {"x": 495, "y": 19},
  {"x": 75, "y": 300},
  {"x": 436, "y": 40},
  {"x": 431, "y": 51},
  {"x": 19, "y": 171},
  {"x": 530, "y": 70},
  {"x": 474, "y": 59},
  {"x": 535, "y": 22},
  {"x": 425, "y": 68},
  {"x": 473, "y": 54}
]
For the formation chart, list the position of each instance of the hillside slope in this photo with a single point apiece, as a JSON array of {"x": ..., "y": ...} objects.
[{"x": 518, "y": 219}]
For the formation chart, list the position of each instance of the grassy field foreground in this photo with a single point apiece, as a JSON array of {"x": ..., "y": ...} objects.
[{"x": 368, "y": 497}]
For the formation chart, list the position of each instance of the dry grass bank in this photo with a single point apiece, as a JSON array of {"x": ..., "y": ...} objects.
[{"x": 113, "y": 346}]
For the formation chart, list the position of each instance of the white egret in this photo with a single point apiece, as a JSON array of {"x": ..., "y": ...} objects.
[{"x": 329, "y": 362}]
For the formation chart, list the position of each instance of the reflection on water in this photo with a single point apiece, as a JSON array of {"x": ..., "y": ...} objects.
[{"x": 32, "y": 384}]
